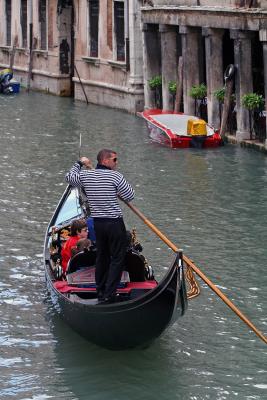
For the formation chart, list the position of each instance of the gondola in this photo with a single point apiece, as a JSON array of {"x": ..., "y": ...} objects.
[{"x": 144, "y": 308}]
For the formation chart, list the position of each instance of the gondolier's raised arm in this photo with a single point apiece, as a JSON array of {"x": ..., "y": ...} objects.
[
  {"x": 125, "y": 191},
  {"x": 86, "y": 162},
  {"x": 73, "y": 176}
]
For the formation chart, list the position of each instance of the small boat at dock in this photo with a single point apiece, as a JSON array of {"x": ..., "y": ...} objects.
[
  {"x": 178, "y": 130},
  {"x": 8, "y": 85},
  {"x": 144, "y": 307}
]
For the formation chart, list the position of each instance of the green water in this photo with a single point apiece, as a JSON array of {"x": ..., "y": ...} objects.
[{"x": 211, "y": 203}]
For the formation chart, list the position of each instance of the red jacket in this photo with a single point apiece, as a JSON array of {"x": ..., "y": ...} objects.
[{"x": 66, "y": 251}]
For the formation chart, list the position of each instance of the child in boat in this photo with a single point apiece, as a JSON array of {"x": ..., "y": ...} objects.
[
  {"x": 82, "y": 244},
  {"x": 78, "y": 230}
]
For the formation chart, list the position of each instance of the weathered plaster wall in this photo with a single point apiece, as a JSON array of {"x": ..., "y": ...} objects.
[
  {"x": 49, "y": 69},
  {"x": 107, "y": 81},
  {"x": 2, "y": 23}
]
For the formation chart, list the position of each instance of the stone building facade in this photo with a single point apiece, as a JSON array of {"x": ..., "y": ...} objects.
[
  {"x": 90, "y": 49},
  {"x": 209, "y": 35},
  {"x": 105, "y": 51}
]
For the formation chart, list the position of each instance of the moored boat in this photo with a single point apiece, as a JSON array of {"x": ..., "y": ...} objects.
[
  {"x": 144, "y": 308},
  {"x": 178, "y": 130},
  {"x": 8, "y": 84}
]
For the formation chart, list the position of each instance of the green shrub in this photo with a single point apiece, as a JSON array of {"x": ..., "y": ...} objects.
[
  {"x": 172, "y": 87},
  {"x": 198, "y": 91},
  {"x": 219, "y": 94},
  {"x": 253, "y": 101},
  {"x": 155, "y": 82}
]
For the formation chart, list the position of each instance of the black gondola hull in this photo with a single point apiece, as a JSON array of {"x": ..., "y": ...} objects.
[
  {"x": 124, "y": 325},
  {"x": 127, "y": 324}
]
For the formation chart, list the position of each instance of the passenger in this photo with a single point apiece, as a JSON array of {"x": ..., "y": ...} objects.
[
  {"x": 102, "y": 187},
  {"x": 91, "y": 229},
  {"x": 132, "y": 243},
  {"x": 78, "y": 230},
  {"x": 81, "y": 245}
]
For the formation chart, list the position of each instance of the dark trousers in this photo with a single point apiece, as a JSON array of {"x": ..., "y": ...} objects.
[{"x": 111, "y": 250}]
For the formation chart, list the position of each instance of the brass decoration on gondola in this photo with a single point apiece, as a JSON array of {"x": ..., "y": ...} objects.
[
  {"x": 134, "y": 237},
  {"x": 193, "y": 289}
]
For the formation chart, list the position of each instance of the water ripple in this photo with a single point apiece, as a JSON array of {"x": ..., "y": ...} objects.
[{"x": 210, "y": 203}]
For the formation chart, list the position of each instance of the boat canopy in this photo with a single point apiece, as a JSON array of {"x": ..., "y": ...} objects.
[{"x": 177, "y": 123}]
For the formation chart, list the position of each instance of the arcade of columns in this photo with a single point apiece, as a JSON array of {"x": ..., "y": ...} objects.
[{"x": 162, "y": 39}]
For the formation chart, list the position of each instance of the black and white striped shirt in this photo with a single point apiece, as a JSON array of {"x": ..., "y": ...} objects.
[{"x": 102, "y": 188}]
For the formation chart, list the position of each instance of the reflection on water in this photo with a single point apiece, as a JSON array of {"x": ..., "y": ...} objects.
[{"x": 210, "y": 202}]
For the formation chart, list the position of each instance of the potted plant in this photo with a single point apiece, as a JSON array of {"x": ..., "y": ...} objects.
[
  {"x": 155, "y": 84},
  {"x": 219, "y": 95},
  {"x": 172, "y": 85},
  {"x": 199, "y": 93},
  {"x": 254, "y": 103}
]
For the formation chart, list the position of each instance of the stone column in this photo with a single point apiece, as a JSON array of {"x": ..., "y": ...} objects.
[
  {"x": 190, "y": 65},
  {"x": 151, "y": 60},
  {"x": 135, "y": 36},
  {"x": 263, "y": 39},
  {"x": 168, "y": 37},
  {"x": 214, "y": 71},
  {"x": 243, "y": 80}
]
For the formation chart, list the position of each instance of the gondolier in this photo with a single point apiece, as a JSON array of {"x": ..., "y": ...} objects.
[{"x": 102, "y": 186}]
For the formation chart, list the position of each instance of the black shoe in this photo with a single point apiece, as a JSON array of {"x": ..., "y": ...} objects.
[
  {"x": 104, "y": 300},
  {"x": 107, "y": 300},
  {"x": 100, "y": 295}
]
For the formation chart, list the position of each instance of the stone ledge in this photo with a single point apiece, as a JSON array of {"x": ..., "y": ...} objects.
[
  {"x": 250, "y": 144},
  {"x": 5, "y": 49},
  {"x": 110, "y": 86},
  {"x": 223, "y": 9},
  {"x": 92, "y": 60},
  {"x": 117, "y": 64}
]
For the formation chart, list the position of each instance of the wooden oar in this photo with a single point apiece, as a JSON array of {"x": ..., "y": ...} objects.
[
  {"x": 198, "y": 272},
  {"x": 85, "y": 95}
]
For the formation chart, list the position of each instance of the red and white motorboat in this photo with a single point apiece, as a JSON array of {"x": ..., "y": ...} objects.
[{"x": 172, "y": 129}]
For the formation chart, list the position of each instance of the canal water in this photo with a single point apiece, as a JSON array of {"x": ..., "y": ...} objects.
[{"x": 211, "y": 203}]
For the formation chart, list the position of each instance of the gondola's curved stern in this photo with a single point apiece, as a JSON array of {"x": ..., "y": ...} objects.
[
  {"x": 181, "y": 302},
  {"x": 142, "y": 313}
]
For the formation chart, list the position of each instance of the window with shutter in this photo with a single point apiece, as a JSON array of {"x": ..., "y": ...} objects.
[
  {"x": 8, "y": 22},
  {"x": 119, "y": 30},
  {"x": 23, "y": 22},
  {"x": 93, "y": 27},
  {"x": 43, "y": 24}
]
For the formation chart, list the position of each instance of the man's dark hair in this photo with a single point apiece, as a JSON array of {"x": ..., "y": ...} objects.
[
  {"x": 76, "y": 226},
  {"x": 103, "y": 154}
]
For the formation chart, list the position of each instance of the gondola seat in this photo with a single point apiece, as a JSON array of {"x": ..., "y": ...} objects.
[
  {"x": 135, "y": 265},
  {"x": 85, "y": 277},
  {"x": 85, "y": 258},
  {"x": 65, "y": 287}
]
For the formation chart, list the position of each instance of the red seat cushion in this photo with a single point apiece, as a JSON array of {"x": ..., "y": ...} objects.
[{"x": 64, "y": 287}]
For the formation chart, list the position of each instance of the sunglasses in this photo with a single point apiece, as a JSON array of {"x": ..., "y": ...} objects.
[{"x": 114, "y": 159}]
